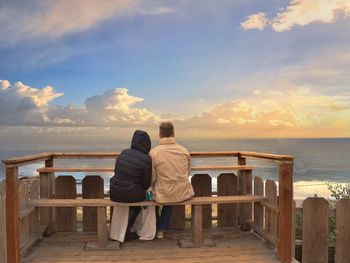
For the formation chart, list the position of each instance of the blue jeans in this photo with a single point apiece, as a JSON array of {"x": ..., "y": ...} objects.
[{"x": 164, "y": 218}]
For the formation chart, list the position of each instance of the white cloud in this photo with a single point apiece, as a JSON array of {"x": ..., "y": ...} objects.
[
  {"x": 55, "y": 18},
  {"x": 117, "y": 105},
  {"x": 304, "y": 12},
  {"x": 24, "y": 105},
  {"x": 20, "y": 104},
  {"x": 156, "y": 10},
  {"x": 21, "y": 20},
  {"x": 300, "y": 13},
  {"x": 255, "y": 21},
  {"x": 296, "y": 111}
]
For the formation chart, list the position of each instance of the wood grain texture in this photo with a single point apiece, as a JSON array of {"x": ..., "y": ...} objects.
[
  {"x": 201, "y": 184},
  {"x": 101, "y": 227},
  {"x": 112, "y": 155},
  {"x": 230, "y": 247},
  {"x": 177, "y": 218},
  {"x": 66, "y": 217},
  {"x": 12, "y": 215},
  {"x": 92, "y": 188},
  {"x": 196, "y": 224},
  {"x": 34, "y": 217},
  {"x": 342, "y": 251},
  {"x": 18, "y": 161},
  {"x": 245, "y": 179},
  {"x": 23, "y": 205},
  {"x": 285, "y": 222},
  {"x": 227, "y": 213},
  {"x": 236, "y": 199},
  {"x": 46, "y": 192},
  {"x": 111, "y": 169},
  {"x": 271, "y": 216},
  {"x": 2, "y": 222},
  {"x": 267, "y": 156},
  {"x": 315, "y": 230},
  {"x": 258, "y": 208}
]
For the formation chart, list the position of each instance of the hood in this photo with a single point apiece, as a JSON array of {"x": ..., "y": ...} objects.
[{"x": 141, "y": 141}]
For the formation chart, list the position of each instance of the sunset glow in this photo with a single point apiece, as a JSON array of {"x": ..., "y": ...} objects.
[{"x": 240, "y": 69}]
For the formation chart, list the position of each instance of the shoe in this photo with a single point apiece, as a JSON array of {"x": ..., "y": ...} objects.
[
  {"x": 159, "y": 235},
  {"x": 129, "y": 236},
  {"x": 118, "y": 244}
]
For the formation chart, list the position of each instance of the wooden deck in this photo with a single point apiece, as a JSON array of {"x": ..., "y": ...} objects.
[{"x": 231, "y": 246}]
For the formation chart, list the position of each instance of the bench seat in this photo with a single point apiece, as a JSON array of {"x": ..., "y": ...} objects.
[
  {"x": 106, "y": 202},
  {"x": 101, "y": 204}
]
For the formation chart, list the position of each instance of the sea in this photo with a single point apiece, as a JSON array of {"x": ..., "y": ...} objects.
[{"x": 317, "y": 161}]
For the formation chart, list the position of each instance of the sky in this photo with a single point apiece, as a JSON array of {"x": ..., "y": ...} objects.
[{"x": 217, "y": 69}]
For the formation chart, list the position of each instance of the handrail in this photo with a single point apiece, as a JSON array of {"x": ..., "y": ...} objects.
[
  {"x": 18, "y": 161},
  {"x": 111, "y": 169},
  {"x": 269, "y": 156}
]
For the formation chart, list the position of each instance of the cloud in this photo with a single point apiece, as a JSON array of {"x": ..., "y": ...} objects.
[
  {"x": 21, "y": 104},
  {"x": 55, "y": 18},
  {"x": 117, "y": 106},
  {"x": 255, "y": 21},
  {"x": 298, "y": 111},
  {"x": 22, "y": 20},
  {"x": 24, "y": 105},
  {"x": 300, "y": 13}
]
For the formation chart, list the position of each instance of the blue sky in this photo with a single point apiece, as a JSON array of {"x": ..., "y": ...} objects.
[{"x": 216, "y": 65}]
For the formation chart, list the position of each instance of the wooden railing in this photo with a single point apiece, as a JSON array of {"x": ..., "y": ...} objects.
[
  {"x": 316, "y": 217},
  {"x": 272, "y": 220}
]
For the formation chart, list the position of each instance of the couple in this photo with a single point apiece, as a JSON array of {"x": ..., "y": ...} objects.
[{"x": 161, "y": 173}]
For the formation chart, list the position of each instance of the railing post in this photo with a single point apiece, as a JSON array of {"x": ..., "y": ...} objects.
[
  {"x": 12, "y": 212},
  {"x": 245, "y": 188},
  {"x": 285, "y": 222},
  {"x": 46, "y": 191}
]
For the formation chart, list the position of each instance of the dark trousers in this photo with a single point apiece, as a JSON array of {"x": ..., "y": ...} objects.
[
  {"x": 163, "y": 217},
  {"x": 133, "y": 213}
]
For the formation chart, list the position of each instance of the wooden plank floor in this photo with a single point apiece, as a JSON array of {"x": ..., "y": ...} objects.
[{"x": 230, "y": 246}]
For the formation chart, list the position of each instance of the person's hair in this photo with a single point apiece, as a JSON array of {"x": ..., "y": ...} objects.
[{"x": 166, "y": 129}]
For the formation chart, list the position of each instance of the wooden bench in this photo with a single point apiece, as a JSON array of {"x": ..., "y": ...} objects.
[{"x": 101, "y": 204}]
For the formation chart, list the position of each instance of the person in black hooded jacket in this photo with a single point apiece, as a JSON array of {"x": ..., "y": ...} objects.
[{"x": 132, "y": 174}]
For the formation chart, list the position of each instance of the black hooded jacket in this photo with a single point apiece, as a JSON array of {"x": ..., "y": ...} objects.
[{"x": 133, "y": 171}]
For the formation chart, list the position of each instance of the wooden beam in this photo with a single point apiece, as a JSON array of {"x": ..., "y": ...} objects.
[
  {"x": 264, "y": 234},
  {"x": 196, "y": 224},
  {"x": 46, "y": 191},
  {"x": 85, "y": 155},
  {"x": 285, "y": 223},
  {"x": 342, "y": 251},
  {"x": 19, "y": 161},
  {"x": 111, "y": 169},
  {"x": 244, "y": 188},
  {"x": 267, "y": 156},
  {"x": 106, "y": 202},
  {"x": 12, "y": 215},
  {"x": 315, "y": 230},
  {"x": 2, "y": 221},
  {"x": 101, "y": 227},
  {"x": 214, "y": 154}
]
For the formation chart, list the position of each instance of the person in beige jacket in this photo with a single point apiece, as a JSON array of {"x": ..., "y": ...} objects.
[{"x": 171, "y": 165}]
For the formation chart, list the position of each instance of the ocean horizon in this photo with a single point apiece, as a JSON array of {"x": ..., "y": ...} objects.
[{"x": 317, "y": 160}]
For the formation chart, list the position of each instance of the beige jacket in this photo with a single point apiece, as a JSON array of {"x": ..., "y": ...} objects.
[{"x": 171, "y": 164}]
